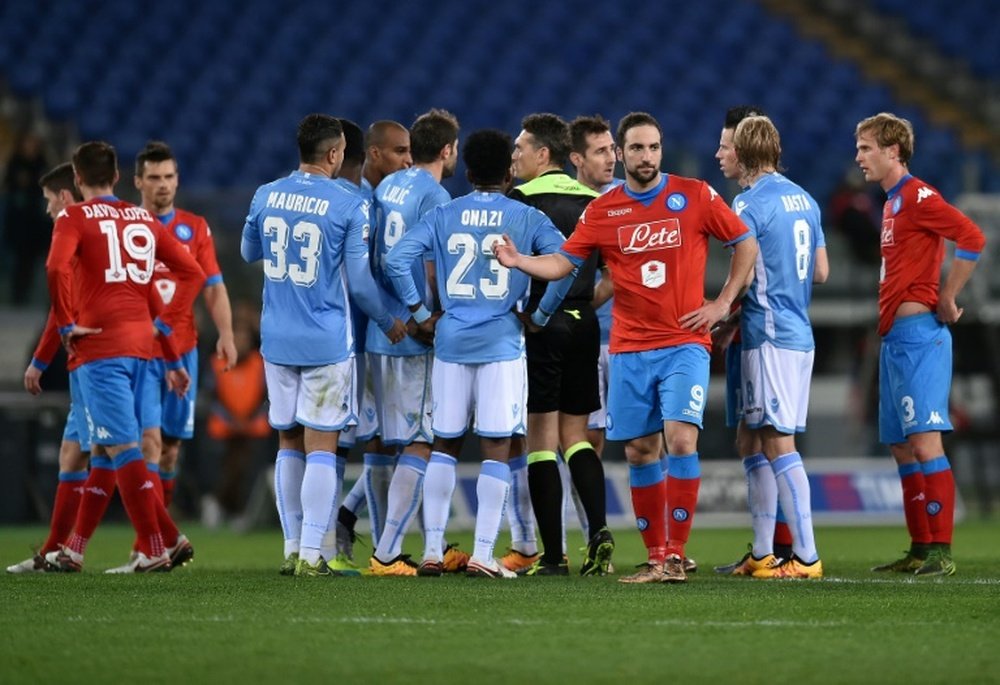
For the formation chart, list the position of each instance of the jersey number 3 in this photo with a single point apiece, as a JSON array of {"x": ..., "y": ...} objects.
[{"x": 309, "y": 238}]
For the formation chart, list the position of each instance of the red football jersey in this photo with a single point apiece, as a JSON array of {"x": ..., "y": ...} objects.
[
  {"x": 656, "y": 246},
  {"x": 915, "y": 221},
  {"x": 50, "y": 342},
  {"x": 192, "y": 232},
  {"x": 115, "y": 245}
]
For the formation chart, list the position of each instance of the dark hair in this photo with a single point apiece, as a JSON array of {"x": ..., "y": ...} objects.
[
  {"x": 734, "y": 115},
  {"x": 155, "y": 151},
  {"x": 315, "y": 136},
  {"x": 354, "y": 143},
  {"x": 60, "y": 178},
  {"x": 630, "y": 121},
  {"x": 376, "y": 132},
  {"x": 430, "y": 132},
  {"x": 582, "y": 126},
  {"x": 96, "y": 163},
  {"x": 486, "y": 154},
  {"x": 549, "y": 131}
]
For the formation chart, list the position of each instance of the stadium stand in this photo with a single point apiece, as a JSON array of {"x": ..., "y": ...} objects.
[{"x": 223, "y": 81}]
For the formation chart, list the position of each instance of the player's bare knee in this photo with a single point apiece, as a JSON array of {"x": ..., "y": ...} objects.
[
  {"x": 71, "y": 457},
  {"x": 925, "y": 446}
]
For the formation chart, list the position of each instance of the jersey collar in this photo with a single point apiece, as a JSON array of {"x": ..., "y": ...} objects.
[
  {"x": 165, "y": 219},
  {"x": 648, "y": 196},
  {"x": 896, "y": 188}
]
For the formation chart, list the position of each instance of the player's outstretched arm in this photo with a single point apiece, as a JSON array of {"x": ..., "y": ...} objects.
[{"x": 547, "y": 267}]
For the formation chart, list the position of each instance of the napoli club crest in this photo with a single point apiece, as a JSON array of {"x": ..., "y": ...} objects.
[
  {"x": 676, "y": 201},
  {"x": 680, "y": 515},
  {"x": 183, "y": 232},
  {"x": 641, "y": 523}
]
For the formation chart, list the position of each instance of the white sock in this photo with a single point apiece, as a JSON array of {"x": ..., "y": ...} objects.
[
  {"x": 439, "y": 484},
  {"x": 762, "y": 496},
  {"x": 405, "y": 492},
  {"x": 378, "y": 475},
  {"x": 289, "y": 467},
  {"x": 794, "y": 495},
  {"x": 355, "y": 498},
  {"x": 319, "y": 486},
  {"x": 520, "y": 515},
  {"x": 491, "y": 489},
  {"x": 328, "y": 550}
]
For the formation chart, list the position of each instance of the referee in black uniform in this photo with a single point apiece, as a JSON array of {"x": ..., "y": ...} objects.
[{"x": 561, "y": 358}]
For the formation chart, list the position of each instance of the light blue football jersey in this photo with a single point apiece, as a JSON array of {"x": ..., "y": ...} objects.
[
  {"x": 401, "y": 200},
  {"x": 786, "y": 222},
  {"x": 311, "y": 235},
  {"x": 476, "y": 292}
]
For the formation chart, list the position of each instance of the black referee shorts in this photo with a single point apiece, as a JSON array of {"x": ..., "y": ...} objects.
[{"x": 562, "y": 362}]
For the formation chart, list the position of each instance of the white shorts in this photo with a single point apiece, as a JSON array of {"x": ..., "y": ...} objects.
[
  {"x": 319, "y": 397},
  {"x": 494, "y": 392},
  {"x": 404, "y": 394},
  {"x": 598, "y": 420},
  {"x": 776, "y": 388},
  {"x": 367, "y": 386}
]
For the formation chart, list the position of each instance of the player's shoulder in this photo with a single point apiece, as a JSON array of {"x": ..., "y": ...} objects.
[{"x": 919, "y": 191}]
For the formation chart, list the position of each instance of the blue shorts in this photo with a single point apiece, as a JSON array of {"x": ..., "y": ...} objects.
[
  {"x": 914, "y": 378},
  {"x": 161, "y": 408},
  {"x": 76, "y": 421},
  {"x": 112, "y": 392},
  {"x": 653, "y": 386},
  {"x": 734, "y": 384}
]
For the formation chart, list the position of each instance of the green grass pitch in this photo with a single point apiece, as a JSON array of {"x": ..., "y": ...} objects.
[{"x": 229, "y": 617}]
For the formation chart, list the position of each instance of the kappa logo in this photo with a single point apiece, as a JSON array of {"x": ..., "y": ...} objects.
[
  {"x": 102, "y": 433},
  {"x": 148, "y": 485},
  {"x": 94, "y": 490},
  {"x": 887, "y": 237},
  {"x": 620, "y": 212},
  {"x": 648, "y": 237},
  {"x": 935, "y": 418},
  {"x": 918, "y": 498},
  {"x": 923, "y": 193}
]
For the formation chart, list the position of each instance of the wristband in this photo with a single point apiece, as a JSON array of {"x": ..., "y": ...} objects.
[
  {"x": 540, "y": 318},
  {"x": 421, "y": 314}
]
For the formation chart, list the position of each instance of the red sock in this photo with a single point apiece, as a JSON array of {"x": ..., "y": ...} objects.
[
  {"x": 915, "y": 502},
  {"x": 168, "y": 529},
  {"x": 64, "y": 510},
  {"x": 97, "y": 492},
  {"x": 782, "y": 534},
  {"x": 940, "y": 489},
  {"x": 138, "y": 493},
  {"x": 649, "y": 497},
  {"x": 682, "y": 493},
  {"x": 167, "y": 485}
]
